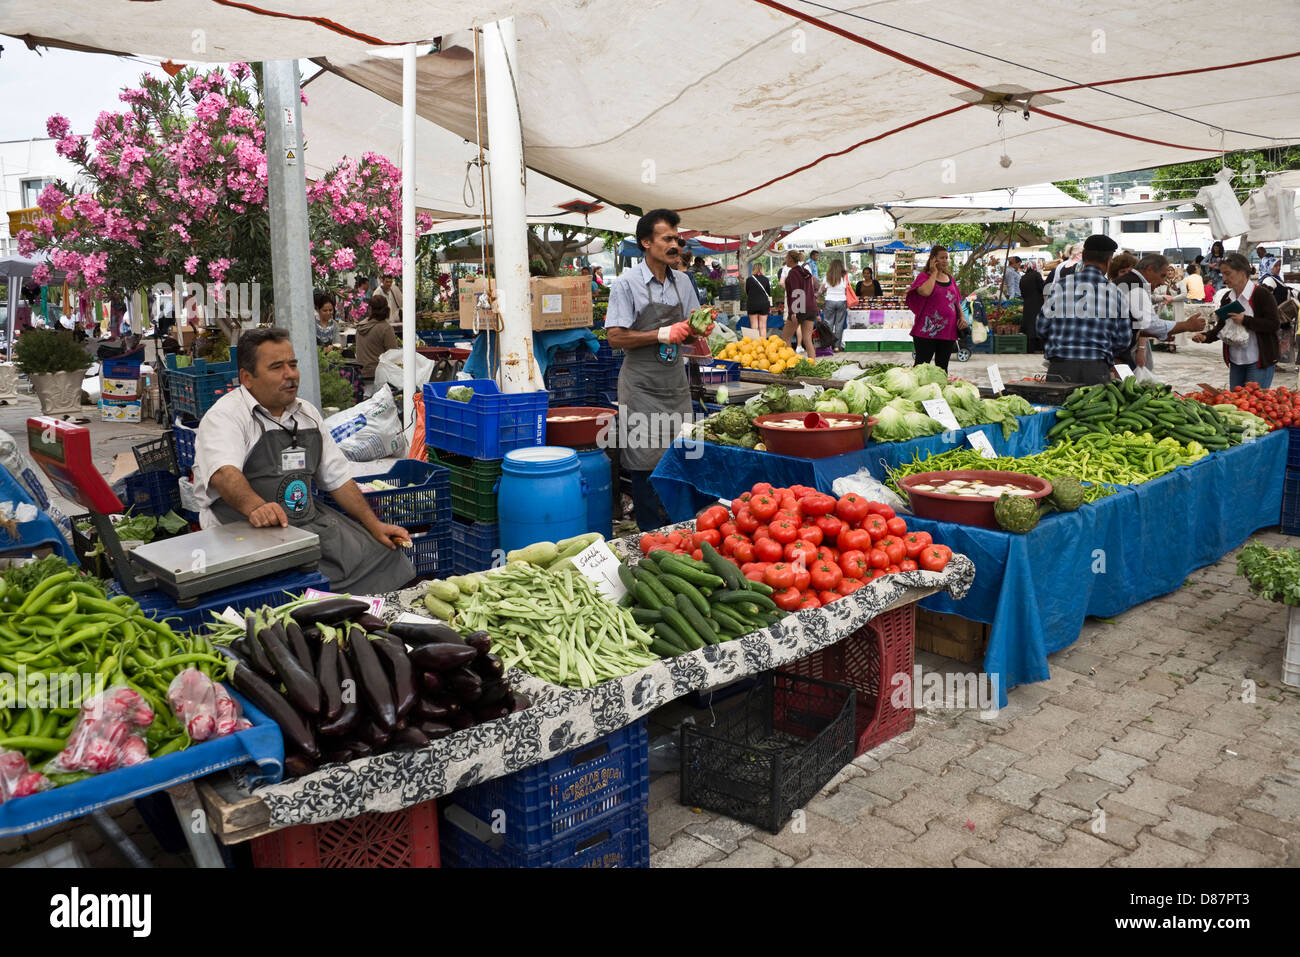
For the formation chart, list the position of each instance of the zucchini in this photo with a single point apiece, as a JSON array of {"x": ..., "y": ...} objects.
[
  {"x": 680, "y": 586},
  {"x": 696, "y": 620},
  {"x": 538, "y": 553},
  {"x": 443, "y": 591}
]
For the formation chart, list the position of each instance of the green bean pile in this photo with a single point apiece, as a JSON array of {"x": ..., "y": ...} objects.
[{"x": 556, "y": 626}]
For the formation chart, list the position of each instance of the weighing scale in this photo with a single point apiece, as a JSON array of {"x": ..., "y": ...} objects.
[{"x": 183, "y": 567}]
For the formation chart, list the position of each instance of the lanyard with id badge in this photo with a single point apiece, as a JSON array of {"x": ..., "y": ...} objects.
[{"x": 293, "y": 490}]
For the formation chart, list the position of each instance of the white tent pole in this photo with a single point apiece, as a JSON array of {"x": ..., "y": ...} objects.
[
  {"x": 509, "y": 215},
  {"x": 15, "y": 292},
  {"x": 290, "y": 256},
  {"x": 408, "y": 235}
]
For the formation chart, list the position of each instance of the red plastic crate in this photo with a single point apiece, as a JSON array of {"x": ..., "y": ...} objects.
[
  {"x": 405, "y": 838},
  {"x": 867, "y": 661}
]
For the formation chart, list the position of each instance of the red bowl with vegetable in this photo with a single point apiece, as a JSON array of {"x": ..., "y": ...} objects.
[
  {"x": 575, "y": 425},
  {"x": 810, "y": 435},
  {"x": 966, "y": 496}
]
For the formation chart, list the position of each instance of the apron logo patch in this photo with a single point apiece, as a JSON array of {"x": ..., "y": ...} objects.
[{"x": 294, "y": 496}]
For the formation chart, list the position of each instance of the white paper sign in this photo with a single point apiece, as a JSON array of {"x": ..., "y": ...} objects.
[
  {"x": 553, "y": 302},
  {"x": 376, "y": 604},
  {"x": 288, "y": 118},
  {"x": 995, "y": 380},
  {"x": 598, "y": 563},
  {"x": 1123, "y": 370},
  {"x": 232, "y": 616},
  {"x": 980, "y": 442},
  {"x": 938, "y": 410}
]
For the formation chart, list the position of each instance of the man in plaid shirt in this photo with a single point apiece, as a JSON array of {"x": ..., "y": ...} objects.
[{"x": 1085, "y": 321}]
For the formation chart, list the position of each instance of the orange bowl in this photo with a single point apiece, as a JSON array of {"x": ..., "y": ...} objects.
[
  {"x": 849, "y": 434},
  {"x": 974, "y": 510}
]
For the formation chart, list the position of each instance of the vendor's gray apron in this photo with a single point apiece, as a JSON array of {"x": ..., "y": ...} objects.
[
  {"x": 653, "y": 383},
  {"x": 351, "y": 558}
]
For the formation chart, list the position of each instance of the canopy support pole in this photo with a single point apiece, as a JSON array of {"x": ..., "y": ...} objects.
[
  {"x": 290, "y": 240},
  {"x": 509, "y": 215},
  {"x": 408, "y": 237},
  {"x": 1006, "y": 257}
]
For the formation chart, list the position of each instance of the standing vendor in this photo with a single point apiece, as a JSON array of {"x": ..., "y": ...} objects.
[
  {"x": 258, "y": 451},
  {"x": 648, "y": 308}
]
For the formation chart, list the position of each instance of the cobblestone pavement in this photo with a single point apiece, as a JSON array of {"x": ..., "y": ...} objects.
[{"x": 1146, "y": 748}]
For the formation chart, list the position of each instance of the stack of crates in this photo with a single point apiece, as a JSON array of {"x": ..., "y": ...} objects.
[
  {"x": 1291, "y": 485},
  {"x": 195, "y": 388},
  {"x": 904, "y": 271},
  {"x": 119, "y": 389},
  {"x": 586, "y": 808},
  {"x": 475, "y": 538},
  {"x": 576, "y": 377}
]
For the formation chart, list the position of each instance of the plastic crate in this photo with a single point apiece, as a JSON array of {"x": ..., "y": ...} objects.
[
  {"x": 473, "y": 485},
  {"x": 618, "y": 840},
  {"x": 184, "y": 434},
  {"x": 1011, "y": 345},
  {"x": 867, "y": 661},
  {"x": 121, "y": 367},
  {"x": 895, "y": 347},
  {"x": 719, "y": 372},
  {"x": 489, "y": 425},
  {"x": 274, "y": 591},
  {"x": 475, "y": 546},
  {"x": 1293, "y": 447},
  {"x": 770, "y": 755},
  {"x": 83, "y": 544},
  {"x": 197, "y": 387},
  {"x": 422, "y": 502},
  {"x": 1291, "y": 502},
  {"x": 440, "y": 337},
  {"x": 432, "y": 553},
  {"x": 157, "y": 455},
  {"x": 547, "y": 801},
  {"x": 152, "y": 493},
  {"x": 405, "y": 838},
  {"x": 852, "y": 346}
]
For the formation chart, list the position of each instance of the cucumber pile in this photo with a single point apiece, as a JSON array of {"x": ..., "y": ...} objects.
[
  {"x": 1113, "y": 409},
  {"x": 688, "y": 604}
]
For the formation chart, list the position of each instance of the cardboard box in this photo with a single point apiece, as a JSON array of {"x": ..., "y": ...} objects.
[
  {"x": 951, "y": 636},
  {"x": 562, "y": 302},
  {"x": 128, "y": 389},
  {"x": 111, "y": 411}
]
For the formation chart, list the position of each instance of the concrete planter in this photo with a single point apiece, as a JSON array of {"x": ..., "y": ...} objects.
[{"x": 59, "y": 392}]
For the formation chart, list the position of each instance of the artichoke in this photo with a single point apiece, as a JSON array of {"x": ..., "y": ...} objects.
[
  {"x": 1067, "y": 493},
  {"x": 733, "y": 421},
  {"x": 777, "y": 398},
  {"x": 1016, "y": 513}
]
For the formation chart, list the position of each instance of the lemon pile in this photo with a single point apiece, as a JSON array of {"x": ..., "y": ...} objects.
[{"x": 766, "y": 355}]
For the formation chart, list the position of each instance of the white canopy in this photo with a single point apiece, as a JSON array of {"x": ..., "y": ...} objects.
[
  {"x": 861, "y": 230},
  {"x": 1042, "y": 202}
]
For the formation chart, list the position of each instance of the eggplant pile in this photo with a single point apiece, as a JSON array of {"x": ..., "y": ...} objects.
[{"x": 342, "y": 684}]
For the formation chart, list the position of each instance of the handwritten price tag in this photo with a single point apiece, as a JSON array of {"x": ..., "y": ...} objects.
[
  {"x": 995, "y": 380},
  {"x": 938, "y": 410},
  {"x": 1123, "y": 370},
  {"x": 376, "y": 604},
  {"x": 598, "y": 563},
  {"x": 980, "y": 442}
]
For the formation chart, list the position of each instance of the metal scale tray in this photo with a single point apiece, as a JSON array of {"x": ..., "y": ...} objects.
[{"x": 192, "y": 565}]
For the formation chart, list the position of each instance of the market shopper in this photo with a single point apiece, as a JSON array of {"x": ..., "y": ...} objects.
[
  {"x": 328, "y": 334},
  {"x": 1138, "y": 282},
  {"x": 648, "y": 308},
  {"x": 935, "y": 300},
  {"x": 375, "y": 336},
  {"x": 835, "y": 310},
  {"x": 813, "y": 266},
  {"x": 1031, "y": 293},
  {"x": 800, "y": 306},
  {"x": 1195, "y": 284},
  {"x": 1255, "y": 359},
  {"x": 392, "y": 294},
  {"x": 1011, "y": 278},
  {"x": 259, "y": 449},
  {"x": 758, "y": 300},
  {"x": 1213, "y": 275},
  {"x": 1083, "y": 322}
]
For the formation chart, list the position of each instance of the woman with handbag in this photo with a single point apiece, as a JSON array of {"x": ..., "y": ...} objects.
[
  {"x": 758, "y": 300},
  {"x": 800, "y": 305},
  {"x": 836, "y": 308},
  {"x": 1248, "y": 326}
]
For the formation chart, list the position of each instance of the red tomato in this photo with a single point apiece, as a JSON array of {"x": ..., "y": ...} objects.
[
  {"x": 894, "y": 548},
  {"x": 730, "y": 542},
  {"x": 827, "y": 596},
  {"x": 830, "y": 525},
  {"x": 802, "y": 577},
  {"x": 826, "y": 576},
  {"x": 756, "y": 572},
  {"x": 818, "y": 503},
  {"x": 881, "y": 509},
  {"x": 712, "y": 536},
  {"x": 811, "y": 533},
  {"x": 746, "y": 522},
  {"x": 811, "y": 602},
  {"x": 908, "y": 565},
  {"x": 746, "y": 567},
  {"x": 768, "y": 550},
  {"x": 828, "y": 554},
  {"x": 743, "y": 551},
  {"x": 711, "y": 517},
  {"x": 727, "y": 528},
  {"x": 853, "y": 540},
  {"x": 854, "y": 565},
  {"x": 801, "y": 548},
  {"x": 875, "y": 526},
  {"x": 662, "y": 548},
  {"x": 649, "y": 541},
  {"x": 893, "y": 570},
  {"x": 763, "y": 507},
  {"x": 698, "y": 554},
  {"x": 848, "y": 586},
  {"x": 915, "y": 541},
  {"x": 851, "y": 508},
  {"x": 935, "y": 557},
  {"x": 675, "y": 539},
  {"x": 761, "y": 488},
  {"x": 878, "y": 558},
  {"x": 779, "y": 575},
  {"x": 785, "y": 531},
  {"x": 799, "y": 491},
  {"x": 742, "y": 499},
  {"x": 896, "y": 526},
  {"x": 761, "y": 532},
  {"x": 787, "y": 599},
  {"x": 875, "y": 573}
]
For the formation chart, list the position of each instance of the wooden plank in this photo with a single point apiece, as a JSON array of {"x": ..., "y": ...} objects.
[
  {"x": 233, "y": 816},
  {"x": 767, "y": 378}
]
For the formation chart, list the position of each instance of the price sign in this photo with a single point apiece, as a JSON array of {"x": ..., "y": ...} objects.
[
  {"x": 232, "y": 616},
  {"x": 376, "y": 604},
  {"x": 1123, "y": 370},
  {"x": 980, "y": 442},
  {"x": 995, "y": 380},
  {"x": 938, "y": 410},
  {"x": 598, "y": 563}
]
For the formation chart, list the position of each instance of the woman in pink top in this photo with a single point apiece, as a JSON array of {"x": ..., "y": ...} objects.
[{"x": 935, "y": 300}]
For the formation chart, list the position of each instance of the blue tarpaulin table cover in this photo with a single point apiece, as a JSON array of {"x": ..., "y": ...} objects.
[{"x": 261, "y": 746}]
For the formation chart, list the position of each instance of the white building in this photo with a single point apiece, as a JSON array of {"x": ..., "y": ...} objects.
[{"x": 26, "y": 168}]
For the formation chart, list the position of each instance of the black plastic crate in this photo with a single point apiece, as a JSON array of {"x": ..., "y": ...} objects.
[
  {"x": 1291, "y": 503},
  {"x": 157, "y": 455},
  {"x": 771, "y": 754},
  {"x": 152, "y": 493}
]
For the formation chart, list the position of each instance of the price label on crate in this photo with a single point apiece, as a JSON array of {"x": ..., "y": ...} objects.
[
  {"x": 995, "y": 380},
  {"x": 1123, "y": 371},
  {"x": 598, "y": 563},
  {"x": 938, "y": 410},
  {"x": 980, "y": 443},
  {"x": 376, "y": 604}
]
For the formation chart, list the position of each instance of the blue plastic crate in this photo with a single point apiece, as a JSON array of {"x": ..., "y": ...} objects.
[
  {"x": 1291, "y": 502},
  {"x": 719, "y": 372},
  {"x": 551, "y": 799},
  {"x": 620, "y": 839},
  {"x": 475, "y": 546},
  {"x": 184, "y": 434},
  {"x": 443, "y": 337},
  {"x": 122, "y": 367},
  {"x": 432, "y": 553},
  {"x": 1293, "y": 447},
  {"x": 422, "y": 501},
  {"x": 489, "y": 425},
  {"x": 195, "y": 388},
  {"x": 274, "y": 591},
  {"x": 152, "y": 493}
]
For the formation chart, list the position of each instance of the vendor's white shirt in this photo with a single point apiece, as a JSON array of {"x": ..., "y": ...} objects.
[
  {"x": 228, "y": 432},
  {"x": 1245, "y": 353}
]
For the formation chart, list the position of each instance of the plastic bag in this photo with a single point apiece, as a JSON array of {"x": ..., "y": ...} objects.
[
  {"x": 1234, "y": 333},
  {"x": 720, "y": 336},
  {"x": 17, "y": 779},
  {"x": 419, "y": 451},
  {"x": 863, "y": 483},
  {"x": 369, "y": 430},
  {"x": 1270, "y": 211},
  {"x": 204, "y": 706},
  {"x": 389, "y": 370},
  {"x": 107, "y": 734},
  {"x": 978, "y": 332},
  {"x": 1226, "y": 216},
  {"x": 1143, "y": 375}
]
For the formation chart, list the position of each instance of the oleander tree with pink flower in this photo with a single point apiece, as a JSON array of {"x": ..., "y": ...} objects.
[{"x": 176, "y": 184}]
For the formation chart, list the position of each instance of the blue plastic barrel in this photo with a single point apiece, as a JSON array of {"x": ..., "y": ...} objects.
[
  {"x": 540, "y": 498},
  {"x": 598, "y": 473}
]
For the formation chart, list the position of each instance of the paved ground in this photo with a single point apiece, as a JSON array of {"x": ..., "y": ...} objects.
[{"x": 1145, "y": 748}]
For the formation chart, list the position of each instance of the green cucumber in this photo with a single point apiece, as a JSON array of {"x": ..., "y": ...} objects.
[
  {"x": 665, "y": 632},
  {"x": 680, "y": 586},
  {"x": 697, "y": 621},
  {"x": 724, "y": 569},
  {"x": 651, "y": 581},
  {"x": 675, "y": 620},
  {"x": 690, "y": 572},
  {"x": 647, "y": 616},
  {"x": 646, "y": 597},
  {"x": 763, "y": 588}
]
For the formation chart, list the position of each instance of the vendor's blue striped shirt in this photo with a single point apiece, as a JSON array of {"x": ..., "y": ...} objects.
[{"x": 1085, "y": 318}]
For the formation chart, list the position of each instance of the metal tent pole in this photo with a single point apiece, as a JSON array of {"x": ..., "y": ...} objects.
[{"x": 408, "y": 235}]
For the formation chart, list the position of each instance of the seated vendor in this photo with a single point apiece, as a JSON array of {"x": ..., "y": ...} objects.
[{"x": 258, "y": 450}]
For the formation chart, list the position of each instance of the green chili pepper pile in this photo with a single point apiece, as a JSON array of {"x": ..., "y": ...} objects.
[{"x": 55, "y": 623}]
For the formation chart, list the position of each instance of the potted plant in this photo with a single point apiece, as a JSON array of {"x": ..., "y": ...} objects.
[{"x": 56, "y": 365}]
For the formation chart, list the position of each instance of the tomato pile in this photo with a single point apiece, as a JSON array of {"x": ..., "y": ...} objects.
[
  {"x": 812, "y": 548},
  {"x": 1280, "y": 407}
]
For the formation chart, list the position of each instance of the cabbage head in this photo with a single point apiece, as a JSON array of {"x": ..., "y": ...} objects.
[
  {"x": 899, "y": 381},
  {"x": 927, "y": 373}
]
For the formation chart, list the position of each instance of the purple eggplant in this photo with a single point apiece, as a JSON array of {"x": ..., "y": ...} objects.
[
  {"x": 480, "y": 641},
  {"x": 375, "y": 689},
  {"x": 493, "y": 692},
  {"x": 427, "y": 710},
  {"x": 441, "y": 657},
  {"x": 409, "y": 738},
  {"x": 370, "y": 622},
  {"x": 256, "y": 653},
  {"x": 298, "y": 645},
  {"x": 465, "y": 685},
  {"x": 416, "y": 633},
  {"x": 329, "y": 611},
  {"x": 392, "y": 654},
  {"x": 296, "y": 732},
  {"x": 431, "y": 681},
  {"x": 522, "y": 701},
  {"x": 300, "y": 684},
  {"x": 360, "y": 748},
  {"x": 433, "y": 730},
  {"x": 488, "y": 667},
  {"x": 374, "y": 735},
  {"x": 350, "y": 709},
  {"x": 327, "y": 673}
]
